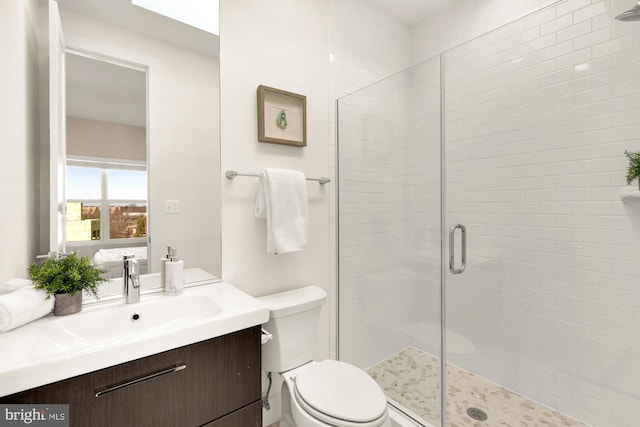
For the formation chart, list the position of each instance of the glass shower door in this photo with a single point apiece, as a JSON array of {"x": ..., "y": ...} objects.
[{"x": 389, "y": 237}]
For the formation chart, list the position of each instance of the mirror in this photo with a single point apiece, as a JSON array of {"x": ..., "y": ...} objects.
[{"x": 142, "y": 108}]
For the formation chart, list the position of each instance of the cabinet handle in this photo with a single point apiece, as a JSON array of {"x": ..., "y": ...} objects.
[{"x": 170, "y": 370}]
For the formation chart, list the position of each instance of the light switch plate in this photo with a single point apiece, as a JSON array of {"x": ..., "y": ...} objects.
[{"x": 172, "y": 206}]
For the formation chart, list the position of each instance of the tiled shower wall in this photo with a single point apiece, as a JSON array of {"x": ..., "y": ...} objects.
[
  {"x": 374, "y": 284},
  {"x": 366, "y": 45},
  {"x": 422, "y": 203},
  {"x": 389, "y": 215},
  {"x": 538, "y": 115}
]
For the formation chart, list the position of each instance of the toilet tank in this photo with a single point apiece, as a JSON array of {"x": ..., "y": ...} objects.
[{"x": 293, "y": 321}]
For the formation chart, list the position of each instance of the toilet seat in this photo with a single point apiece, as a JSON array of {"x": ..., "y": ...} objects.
[{"x": 338, "y": 393}]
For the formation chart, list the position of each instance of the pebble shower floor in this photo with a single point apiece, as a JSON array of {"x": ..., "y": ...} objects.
[{"x": 411, "y": 378}]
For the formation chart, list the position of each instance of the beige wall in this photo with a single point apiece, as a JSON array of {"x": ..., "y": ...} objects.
[
  {"x": 19, "y": 163},
  {"x": 282, "y": 44},
  {"x": 183, "y": 137},
  {"x": 94, "y": 138}
]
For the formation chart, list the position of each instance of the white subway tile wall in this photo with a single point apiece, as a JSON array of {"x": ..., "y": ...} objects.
[
  {"x": 366, "y": 45},
  {"x": 374, "y": 286},
  {"x": 537, "y": 117},
  {"x": 389, "y": 211}
]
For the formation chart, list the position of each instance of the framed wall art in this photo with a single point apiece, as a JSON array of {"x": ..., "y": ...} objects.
[{"x": 282, "y": 117}]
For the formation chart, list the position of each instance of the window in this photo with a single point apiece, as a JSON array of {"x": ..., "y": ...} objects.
[{"x": 106, "y": 200}]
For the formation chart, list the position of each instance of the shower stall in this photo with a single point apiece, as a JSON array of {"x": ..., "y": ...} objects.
[{"x": 488, "y": 258}]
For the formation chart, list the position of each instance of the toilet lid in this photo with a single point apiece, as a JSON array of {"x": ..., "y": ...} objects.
[{"x": 340, "y": 390}]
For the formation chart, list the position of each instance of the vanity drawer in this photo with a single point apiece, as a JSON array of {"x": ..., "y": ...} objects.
[
  {"x": 249, "y": 416},
  {"x": 223, "y": 375},
  {"x": 187, "y": 386}
]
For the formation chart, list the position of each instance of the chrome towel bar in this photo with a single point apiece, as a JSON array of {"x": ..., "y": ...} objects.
[{"x": 232, "y": 174}]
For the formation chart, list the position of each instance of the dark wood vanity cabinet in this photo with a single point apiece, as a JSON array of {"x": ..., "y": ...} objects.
[{"x": 213, "y": 383}]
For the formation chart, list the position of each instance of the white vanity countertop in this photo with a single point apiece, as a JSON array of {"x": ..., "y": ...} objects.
[{"x": 58, "y": 347}]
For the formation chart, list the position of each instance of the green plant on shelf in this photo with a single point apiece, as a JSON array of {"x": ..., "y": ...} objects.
[{"x": 634, "y": 165}]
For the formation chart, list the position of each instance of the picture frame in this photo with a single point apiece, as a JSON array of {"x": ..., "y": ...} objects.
[{"x": 282, "y": 117}]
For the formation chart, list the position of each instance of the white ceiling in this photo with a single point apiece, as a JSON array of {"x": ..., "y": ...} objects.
[{"x": 411, "y": 12}]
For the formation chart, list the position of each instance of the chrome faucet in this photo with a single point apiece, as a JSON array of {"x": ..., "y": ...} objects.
[{"x": 131, "y": 279}]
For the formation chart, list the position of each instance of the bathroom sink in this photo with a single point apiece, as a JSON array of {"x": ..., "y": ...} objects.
[
  {"x": 102, "y": 335},
  {"x": 124, "y": 322}
]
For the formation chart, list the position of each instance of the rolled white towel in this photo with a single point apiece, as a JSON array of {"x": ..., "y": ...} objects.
[
  {"x": 23, "y": 306},
  {"x": 13, "y": 285}
]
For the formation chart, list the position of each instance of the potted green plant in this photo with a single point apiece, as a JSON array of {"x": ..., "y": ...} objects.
[
  {"x": 634, "y": 166},
  {"x": 65, "y": 278}
]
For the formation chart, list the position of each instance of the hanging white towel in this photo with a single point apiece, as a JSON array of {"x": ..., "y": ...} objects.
[
  {"x": 23, "y": 306},
  {"x": 282, "y": 199}
]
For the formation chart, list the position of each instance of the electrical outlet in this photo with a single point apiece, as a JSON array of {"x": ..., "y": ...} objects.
[{"x": 172, "y": 206}]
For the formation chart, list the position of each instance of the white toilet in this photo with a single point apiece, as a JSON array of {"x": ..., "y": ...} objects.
[{"x": 316, "y": 394}]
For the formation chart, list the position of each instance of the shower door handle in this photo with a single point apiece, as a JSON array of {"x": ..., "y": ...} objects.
[{"x": 463, "y": 235}]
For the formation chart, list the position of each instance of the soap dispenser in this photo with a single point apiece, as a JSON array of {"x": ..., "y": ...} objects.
[
  {"x": 173, "y": 274},
  {"x": 163, "y": 261}
]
